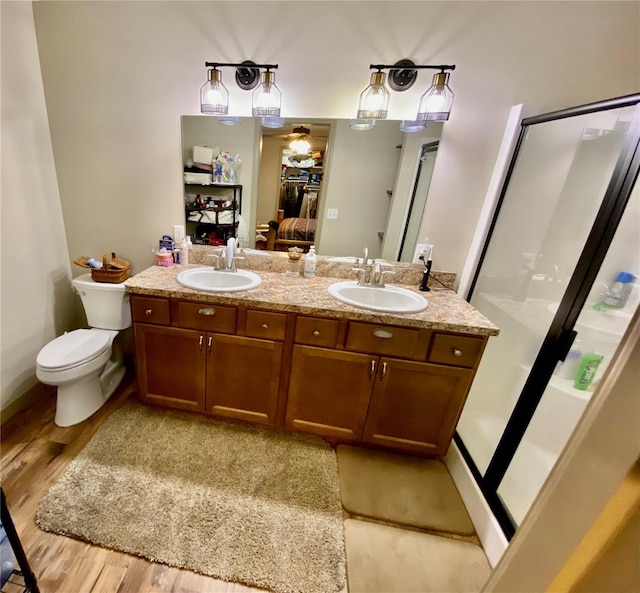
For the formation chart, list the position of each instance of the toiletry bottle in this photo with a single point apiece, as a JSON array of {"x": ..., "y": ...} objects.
[
  {"x": 184, "y": 253},
  {"x": 569, "y": 368},
  {"x": 94, "y": 264},
  {"x": 310, "y": 263},
  {"x": 619, "y": 293},
  {"x": 587, "y": 371}
]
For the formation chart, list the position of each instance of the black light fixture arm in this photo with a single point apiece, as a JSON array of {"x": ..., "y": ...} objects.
[
  {"x": 400, "y": 66},
  {"x": 246, "y": 64},
  {"x": 404, "y": 72},
  {"x": 247, "y": 72}
]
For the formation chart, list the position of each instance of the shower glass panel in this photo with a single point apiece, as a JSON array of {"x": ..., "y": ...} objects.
[
  {"x": 553, "y": 195},
  {"x": 599, "y": 331}
]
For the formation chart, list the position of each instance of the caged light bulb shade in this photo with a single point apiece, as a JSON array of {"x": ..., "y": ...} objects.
[
  {"x": 435, "y": 104},
  {"x": 267, "y": 97},
  {"x": 214, "y": 97},
  {"x": 374, "y": 100}
]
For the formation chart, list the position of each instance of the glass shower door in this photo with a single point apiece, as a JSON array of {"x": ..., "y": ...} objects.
[
  {"x": 599, "y": 330},
  {"x": 559, "y": 193}
]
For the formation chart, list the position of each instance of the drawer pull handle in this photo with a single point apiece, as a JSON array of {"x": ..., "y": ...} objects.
[
  {"x": 200, "y": 341},
  {"x": 209, "y": 342},
  {"x": 372, "y": 372},
  {"x": 381, "y": 333},
  {"x": 208, "y": 311},
  {"x": 265, "y": 326},
  {"x": 316, "y": 332},
  {"x": 384, "y": 370},
  {"x": 149, "y": 312},
  {"x": 457, "y": 352}
]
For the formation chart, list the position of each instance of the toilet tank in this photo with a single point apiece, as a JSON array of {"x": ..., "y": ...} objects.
[{"x": 106, "y": 305}]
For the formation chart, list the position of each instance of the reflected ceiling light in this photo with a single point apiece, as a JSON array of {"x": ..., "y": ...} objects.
[
  {"x": 230, "y": 120},
  {"x": 214, "y": 96},
  {"x": 362, "y": 124},
  {"x": 411, "y": 125},
  {"x": 374, "y": 100},
  {"x": 435, "y": 104},
  {"x": 272, "y": 122},
  {"x": 300, "y": 144},
  {"x": 267, "y": 98}
]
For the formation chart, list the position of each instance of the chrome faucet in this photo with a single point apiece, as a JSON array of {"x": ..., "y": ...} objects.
[{"x": 371, "y": 272}]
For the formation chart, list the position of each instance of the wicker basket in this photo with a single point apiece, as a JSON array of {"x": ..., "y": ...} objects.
[{"x": 114, "y": 269}]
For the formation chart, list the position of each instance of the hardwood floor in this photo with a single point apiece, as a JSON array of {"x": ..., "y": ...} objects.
[{"x": 34, "y": 452}]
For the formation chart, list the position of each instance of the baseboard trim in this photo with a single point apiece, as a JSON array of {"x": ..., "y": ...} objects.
[
  {"x": 487, "y": 527},
  {"x": 38, "y": 392}
]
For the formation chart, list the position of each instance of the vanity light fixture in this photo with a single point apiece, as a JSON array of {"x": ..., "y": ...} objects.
[
  {"x": 272, "y": 122},
  {"x": 374, "y": 100},
  {"x": 214, "y": 96},
  {"x": 300, "y": 144},
  {"x": 411, "y": 125},
  {"x": 362, "y": 124},
  {"x": 267, "y": 98},
  {"x": 435, "y": 103}
]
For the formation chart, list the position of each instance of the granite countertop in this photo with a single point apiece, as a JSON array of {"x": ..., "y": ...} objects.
[{"x": 446, "y": 311}]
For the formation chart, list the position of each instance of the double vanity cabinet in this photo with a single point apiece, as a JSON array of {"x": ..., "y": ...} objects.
[{"x": 287, "y": 355}]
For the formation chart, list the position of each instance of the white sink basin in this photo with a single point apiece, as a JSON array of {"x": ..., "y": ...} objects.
[
  {"x": 218, "y": 280},
  {"x": 390, "y": 299}
]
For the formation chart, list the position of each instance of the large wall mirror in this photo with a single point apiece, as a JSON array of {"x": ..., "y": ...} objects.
[{"x": 353, "y": 189}]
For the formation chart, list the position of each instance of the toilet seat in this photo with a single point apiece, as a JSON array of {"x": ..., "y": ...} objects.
[{"x": 73, "y": 349}]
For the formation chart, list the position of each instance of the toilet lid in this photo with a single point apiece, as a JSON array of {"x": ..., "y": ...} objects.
[{"x": 73, "y": 348}]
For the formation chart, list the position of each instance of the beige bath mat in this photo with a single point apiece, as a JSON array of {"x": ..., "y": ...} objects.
[
  {"x": 236, "y": 502},
  {"x": 401, "y": 489},
  {"x": 383, "y": 559}
]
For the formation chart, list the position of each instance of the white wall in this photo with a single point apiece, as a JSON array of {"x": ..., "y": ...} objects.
[
  {"x": 118, "y": 76},
  {"x": 36, "y": 297}
]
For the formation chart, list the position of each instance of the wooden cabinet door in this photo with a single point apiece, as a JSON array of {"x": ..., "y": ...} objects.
[
  {"x": 329, "y": 391},
  {"x": 171, "y": 366},
  {"x": 243, "y": 377},
  {"x": 415, "y": 406}
]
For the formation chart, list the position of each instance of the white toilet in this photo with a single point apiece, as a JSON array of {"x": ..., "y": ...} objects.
[{"x": 85, "y": 364}]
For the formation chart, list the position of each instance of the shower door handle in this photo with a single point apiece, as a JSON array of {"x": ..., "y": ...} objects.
[{"x": 565, "y": 341}]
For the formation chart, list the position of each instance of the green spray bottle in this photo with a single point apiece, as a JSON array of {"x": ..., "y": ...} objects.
[{"x": 587, "y": 371}]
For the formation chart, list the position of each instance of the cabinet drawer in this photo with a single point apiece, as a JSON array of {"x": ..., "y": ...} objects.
[
  {"x": 317, "y": 332},
  {"x": 262, "y": 324},
  {"x": 207, "y": 317},
  {"x": 382, "y": 339},
  {"x": 462, "y": 351},
  {"x": 150, "y": 310}
]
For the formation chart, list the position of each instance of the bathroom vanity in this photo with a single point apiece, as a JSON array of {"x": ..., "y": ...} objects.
[{"x": 288, "y": 355}]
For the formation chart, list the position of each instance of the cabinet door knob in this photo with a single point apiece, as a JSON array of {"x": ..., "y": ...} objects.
[
  {"x": 316, "y": 332},
  {"x": 208, "y": 311},
  {"x": 384, "y": 370},
  {"x": 457, "y": 352},
  {"x": 200, "y": 341},
  {"x": 149, "y": 312},
  {"x": 209, "y": 342},
  {"x": 265, "y": 326},
  {"x": 372, "y": 372},
  {"x": 381, "y": 333}
]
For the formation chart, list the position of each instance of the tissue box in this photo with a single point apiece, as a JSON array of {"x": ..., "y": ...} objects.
[
  {"x": 204, "y": 154},
  {"x": 198, "y": 178}
]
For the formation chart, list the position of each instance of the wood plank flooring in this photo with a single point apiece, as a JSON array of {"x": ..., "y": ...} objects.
[{"x": 33, "y": 453}]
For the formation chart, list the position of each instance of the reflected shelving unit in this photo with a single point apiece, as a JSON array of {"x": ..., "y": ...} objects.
[{"x": 212, "y": 211}]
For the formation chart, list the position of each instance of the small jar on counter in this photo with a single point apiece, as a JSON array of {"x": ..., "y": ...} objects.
[{"x": 293, "y": 267}]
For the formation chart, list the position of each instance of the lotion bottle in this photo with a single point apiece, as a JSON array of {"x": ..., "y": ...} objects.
[
  {"x": 310, "y": 263},
  {"x": 184, "y": 253}
]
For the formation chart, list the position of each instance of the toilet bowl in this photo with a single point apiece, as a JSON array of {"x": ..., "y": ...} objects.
[{"x": 86, "y": 365}]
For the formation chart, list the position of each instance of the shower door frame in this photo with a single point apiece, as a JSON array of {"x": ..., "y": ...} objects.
[{"x": 561, "y": 334}]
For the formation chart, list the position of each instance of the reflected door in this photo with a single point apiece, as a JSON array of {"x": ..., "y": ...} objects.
[{"x": 542, "y": 270}]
